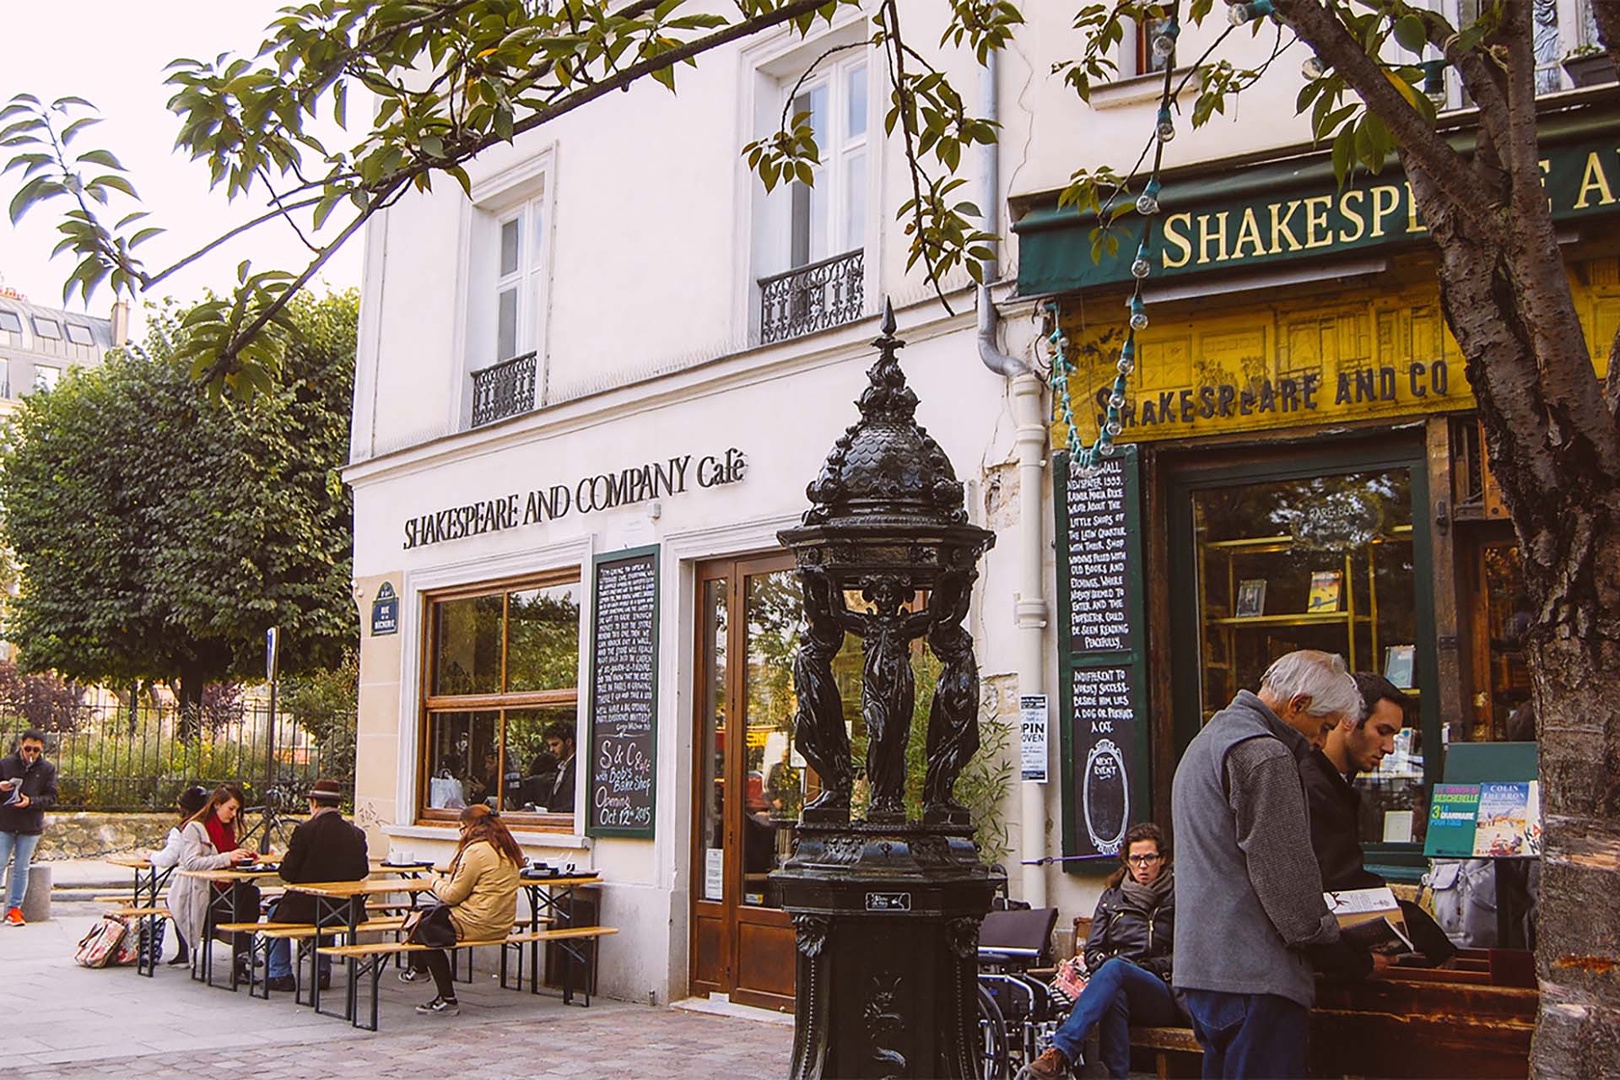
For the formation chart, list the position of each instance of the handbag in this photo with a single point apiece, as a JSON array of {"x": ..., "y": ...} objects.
[
  {"x": 100, "y": 946},
  {"x": 430, "y": 927}
]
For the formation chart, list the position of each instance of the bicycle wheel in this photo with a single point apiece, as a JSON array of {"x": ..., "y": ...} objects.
[{"x": 994, "y": 1060}]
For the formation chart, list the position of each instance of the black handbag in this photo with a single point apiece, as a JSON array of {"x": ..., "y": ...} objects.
[{"x": 431, "y": 927}]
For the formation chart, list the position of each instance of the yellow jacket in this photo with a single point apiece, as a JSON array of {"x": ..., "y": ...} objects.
[{"x": 482, "y": 894}]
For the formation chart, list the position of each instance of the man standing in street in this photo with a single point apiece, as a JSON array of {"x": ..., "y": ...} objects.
[
  {"x": 27, "y": 790},
  {"x": 1245, "y": 865},
  {"x": 324, "y": 848}
]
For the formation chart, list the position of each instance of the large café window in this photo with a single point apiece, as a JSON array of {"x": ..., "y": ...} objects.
[
  {"x": 1322, "y": 562},
  {"x": 502, "y": 688}
]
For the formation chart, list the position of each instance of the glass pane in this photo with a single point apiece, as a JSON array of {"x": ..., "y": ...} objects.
[
  {"x": 774, "y": 775},
  {"x": 854, "y": 201},
  {"x": 45, "y": 377},
  {"x": 855, "y": 100},
  {"x": 537, "y": 233},
  {"x": 464, "y": 762},
  {"x": 467, "y": 646},
  {"x": 10, "y": 321},
  {"x": 712, "y": 652},
  {"x": 541, "y": 762},
  {"x": 511, "y": 241},
  {"x": 506, "y": 325},
  {"x": 47, "y": 328},
  {"x": 1506, "y": 714},
  {"x": 820, "y": 213},
  {"x": 542, "y": 649},
  {"x": 79, "y": 335},
  {"x": 1319, "y": 563}
]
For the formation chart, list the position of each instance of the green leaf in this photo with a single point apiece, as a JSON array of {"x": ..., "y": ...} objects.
[{"x": 1410, "y": 34}]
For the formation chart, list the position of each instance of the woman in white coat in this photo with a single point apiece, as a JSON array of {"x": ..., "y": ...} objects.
[
  {"x": 167, "y": 858},
  {"x": 208, "y": 842}
]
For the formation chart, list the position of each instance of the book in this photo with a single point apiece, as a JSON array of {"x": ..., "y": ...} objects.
[
  {"x": 1508, "y": 820},
  {"x": 1251, "y": 598},
  {"x": 1370, "y": 919},
  {"x": 1326, "y": 587},
  {"x": 1453, "y": 816},
  {"x": 1398, "y": 662},
  {"x": 16, "y": 792}
]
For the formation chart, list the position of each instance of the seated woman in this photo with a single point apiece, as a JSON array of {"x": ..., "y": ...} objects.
[
  {"x": 208, "y": 842},
  {"x": 1128, "y": 956},
  {"x": 167, "y": 858},
  {"x": 481, "y": 892}
]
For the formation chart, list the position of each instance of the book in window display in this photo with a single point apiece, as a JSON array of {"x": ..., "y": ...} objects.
[
  {"x": 1326, "y": 588},
  {"x": 1251, "y": 598},
  {"x": 1398, "y": 662}
]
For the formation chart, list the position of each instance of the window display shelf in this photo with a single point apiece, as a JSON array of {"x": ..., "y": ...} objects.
[{"x": 1297, "y": 619}]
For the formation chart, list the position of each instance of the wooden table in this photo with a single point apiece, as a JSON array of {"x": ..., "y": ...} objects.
[
  {"x": 149, "y": 880},
  {"x": 234, "y": 882},
  {"x": 343, "y": 903},
  {"x": 546, "y": 905}
]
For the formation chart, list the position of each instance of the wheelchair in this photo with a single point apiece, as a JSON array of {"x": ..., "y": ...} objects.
[{"x": 1018, "y": 1012}]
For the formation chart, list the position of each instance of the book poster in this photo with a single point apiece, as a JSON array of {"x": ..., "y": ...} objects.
[
  {"x": 1509, "y": 820},
  {"x": 1325, "y": 588},
  {"x": 1453, "y": 815}
]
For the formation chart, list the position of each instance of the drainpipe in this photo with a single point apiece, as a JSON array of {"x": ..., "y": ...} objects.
[{"x": 1027, "y": 394}]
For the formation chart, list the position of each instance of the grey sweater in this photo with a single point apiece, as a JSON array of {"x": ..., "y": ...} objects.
[{"x": 1246, "y": 877}]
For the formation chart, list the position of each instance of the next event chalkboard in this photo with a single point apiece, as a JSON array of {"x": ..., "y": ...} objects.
[
  {"x": 624, "y": 694},
  {"x": 1103, "y": 697}
]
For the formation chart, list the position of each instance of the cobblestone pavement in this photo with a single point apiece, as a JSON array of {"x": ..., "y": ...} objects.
[{"x": 68, "y": 1021}]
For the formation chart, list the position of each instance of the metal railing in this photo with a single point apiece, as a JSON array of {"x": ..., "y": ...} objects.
[
  {"x": 815, "y": 297},
  {"x": 114, "y": 758},
  {"x": 504, "y": 389}
]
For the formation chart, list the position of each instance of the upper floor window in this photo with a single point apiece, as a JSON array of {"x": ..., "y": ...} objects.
[
  {"x": 518, "y": 285},
  {"x": 10, "y": 323},
  {"x": 80, "y": 335},
  {"x": 829, "y": 217},
  {"x": 45, "y": 376},
  {"x": 47, "y": 328}
]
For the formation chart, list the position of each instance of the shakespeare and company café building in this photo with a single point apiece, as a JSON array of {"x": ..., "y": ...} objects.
[{"x": 1302, "y": 469}]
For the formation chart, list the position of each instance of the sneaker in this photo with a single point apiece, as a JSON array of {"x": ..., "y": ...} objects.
[
  {"x": 1051, "y": 1065},
  {"x": 440, "y": 1007},
  {"x": 326, "y": 980},
  {"x": 282, "y": 983},
  {"x": 14, "y": 917},
  {"x": 411, "y": 975}
]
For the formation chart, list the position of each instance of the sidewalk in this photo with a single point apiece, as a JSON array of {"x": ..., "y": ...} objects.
[{"x": 84, "y": 1023}]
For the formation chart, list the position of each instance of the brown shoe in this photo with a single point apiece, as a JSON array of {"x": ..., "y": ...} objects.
[{"x": 1051, "y": 1065}]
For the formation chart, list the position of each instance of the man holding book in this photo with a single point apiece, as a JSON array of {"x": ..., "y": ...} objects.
[{"x": 27, "y": 790}]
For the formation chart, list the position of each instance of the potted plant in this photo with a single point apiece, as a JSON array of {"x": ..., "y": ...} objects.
[{"x": 1589, "y": 65}]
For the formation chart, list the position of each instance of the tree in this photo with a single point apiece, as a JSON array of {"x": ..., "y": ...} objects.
[
  {"x": 160, "y": 534},
  {"x": 501, "y": 67}
]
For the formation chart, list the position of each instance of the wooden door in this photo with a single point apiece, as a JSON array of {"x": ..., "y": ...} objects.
[{"x": 749, "y": 784}]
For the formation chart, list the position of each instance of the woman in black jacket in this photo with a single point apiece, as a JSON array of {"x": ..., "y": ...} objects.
[{"x": 1128, "y": 957}]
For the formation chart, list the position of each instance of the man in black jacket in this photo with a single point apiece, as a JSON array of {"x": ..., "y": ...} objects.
[
  {"x": 27, "y": 790},
  {"x": 324, "y": 848}
]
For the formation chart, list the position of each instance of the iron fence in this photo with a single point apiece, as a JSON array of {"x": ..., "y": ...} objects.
[
  {"x": 112, "y": 757},
  {"x": 815, "y": 297},
  {"x": 504, "y": 389}
]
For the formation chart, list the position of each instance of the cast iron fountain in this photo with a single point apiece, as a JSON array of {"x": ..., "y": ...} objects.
[{"x": 886, "y": 909}]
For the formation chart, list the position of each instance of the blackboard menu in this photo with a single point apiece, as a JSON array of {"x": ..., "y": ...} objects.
[
  {"x": 624, "y": 694},
  {"x": 1103, "y": 707}
]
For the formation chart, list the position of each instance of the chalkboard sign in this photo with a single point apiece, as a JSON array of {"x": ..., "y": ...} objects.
[
  {"x": 624, "y": 694},
  {"x": 1103, "y": 704}
]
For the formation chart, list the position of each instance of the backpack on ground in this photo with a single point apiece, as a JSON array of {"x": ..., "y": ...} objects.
[{"x": 103, "y": 945}]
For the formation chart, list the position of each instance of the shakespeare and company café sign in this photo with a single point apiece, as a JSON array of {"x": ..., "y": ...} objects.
[
  {"x": 588, "y": 494},
  {"x": 1282, "y": 362}
]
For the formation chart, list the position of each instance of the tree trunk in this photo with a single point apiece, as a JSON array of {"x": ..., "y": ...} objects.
[{"x": 192, "y": 682}]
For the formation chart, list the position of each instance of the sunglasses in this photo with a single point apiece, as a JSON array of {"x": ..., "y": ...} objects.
[{"x": 31, "y": 751}]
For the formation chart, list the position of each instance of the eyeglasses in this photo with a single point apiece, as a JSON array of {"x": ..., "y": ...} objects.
[
  {"x": 1143, "y": 860},
  {"x": 31, "y": 751}
]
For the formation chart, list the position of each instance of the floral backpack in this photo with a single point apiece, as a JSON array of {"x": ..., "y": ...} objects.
[{"x": 111, "y": 942}]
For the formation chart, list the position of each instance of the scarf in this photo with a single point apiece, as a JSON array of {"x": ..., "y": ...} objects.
[
  {"x": 1147, "y": 898},
  {"x": 222, "y": 835}
]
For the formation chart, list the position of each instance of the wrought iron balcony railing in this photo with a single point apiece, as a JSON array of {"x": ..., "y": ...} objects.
[
  {"x": 504, "y": 389},
  {"x": 815, "y": 297}
]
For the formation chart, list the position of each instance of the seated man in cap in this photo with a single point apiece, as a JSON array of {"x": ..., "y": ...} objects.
[{"x": 323, "y": 848}]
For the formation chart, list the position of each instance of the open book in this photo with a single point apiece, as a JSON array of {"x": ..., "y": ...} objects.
[
  {"x": 1370, "y": 919},
  {"x": 16, "y": 792}
]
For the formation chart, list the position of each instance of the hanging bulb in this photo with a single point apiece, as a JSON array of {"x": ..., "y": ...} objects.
[
  {"x": 1140, "y": 267},
  {"x": 1106, "y": 449},
  {"x": 1238, "y": 14},
  {"x": 1113, "y": 428},
  {"x": 1164, "y": 42},
  {"x": 1116, "y": 401},
  {"x": 1148, "y": 201},
  {"x": 1166, "y": 129},
  {"x": 1126, "y": 365},
  {"x": 1139, "y": 319},
  {"x": 1313, "y": 68}
]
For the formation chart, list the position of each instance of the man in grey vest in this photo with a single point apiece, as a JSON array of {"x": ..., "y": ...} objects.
[{"x": 1244, "y": 866}]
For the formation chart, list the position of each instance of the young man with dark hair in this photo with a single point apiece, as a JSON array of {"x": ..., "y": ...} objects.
[
  {"x": 27, "y": 790},
  {"x": 560, "y": 741}
]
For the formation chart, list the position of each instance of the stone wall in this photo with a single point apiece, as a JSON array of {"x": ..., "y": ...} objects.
[{"x": 91, "y": 835}]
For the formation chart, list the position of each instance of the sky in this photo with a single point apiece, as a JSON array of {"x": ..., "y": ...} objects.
[{"x": 113, "y": 54}]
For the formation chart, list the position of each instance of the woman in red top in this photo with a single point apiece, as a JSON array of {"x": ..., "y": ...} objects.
[{"x": 208, "y": 842}]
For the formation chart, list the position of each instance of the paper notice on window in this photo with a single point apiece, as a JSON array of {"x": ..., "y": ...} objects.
[
  {"x": 714, "y": 873},
  {"x": 1032, "y": 725}
]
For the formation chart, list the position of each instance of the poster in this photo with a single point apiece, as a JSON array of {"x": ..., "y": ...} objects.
[
  {"x": 1453, "y": 814},
  {"x": 1509, "y": 823},
  {"x": 1032, "y": 726}
]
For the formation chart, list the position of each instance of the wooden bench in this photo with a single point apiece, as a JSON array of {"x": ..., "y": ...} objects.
[
  {"x": 370, "y": 959},
  {"x": 1164, "y": 1041},
  {"x": 303, "y": 933}
]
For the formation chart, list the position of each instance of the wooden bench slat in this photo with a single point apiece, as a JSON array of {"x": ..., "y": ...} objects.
[
  {"x": 385, "y": 947},
  {"x": 1166, "y": 1038},
  {"x": 140, "y": 912}
]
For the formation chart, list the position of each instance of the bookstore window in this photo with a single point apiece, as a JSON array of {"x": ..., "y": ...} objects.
[
  {"x": 1319, "y": 563},
  {"x": 502, "y": 702}
]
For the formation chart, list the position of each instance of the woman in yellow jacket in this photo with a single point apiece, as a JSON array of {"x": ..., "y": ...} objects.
[{"x": 481, "y": 892}]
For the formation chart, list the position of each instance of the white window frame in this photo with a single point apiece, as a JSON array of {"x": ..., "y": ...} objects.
[
  {"x": 46, "y": 376},
  {"x": 837, "y": 148}
]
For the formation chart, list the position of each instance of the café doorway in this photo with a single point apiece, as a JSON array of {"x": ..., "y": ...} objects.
[{"x": 750, "y": 783}]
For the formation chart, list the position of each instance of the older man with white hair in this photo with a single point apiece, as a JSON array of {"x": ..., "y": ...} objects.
[{"x": 1246, "y": 875}]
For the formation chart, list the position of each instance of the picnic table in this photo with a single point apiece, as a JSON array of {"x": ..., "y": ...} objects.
[
  {"x": 143, "y": 904},
  {"x": 549, "y": 902},
  {"x": 343, "y": 903},
  {"x": 226, "y": 889}
]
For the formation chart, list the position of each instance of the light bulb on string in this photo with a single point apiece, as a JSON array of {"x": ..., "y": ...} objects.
[
  {"x": 1313, "y": 67},
  {"x": 1140, "y": 266},
  {"x": 1165, "y": 127},
  {"x": 1164, "y": 42},
  {"x": 1139, "y": 319},
  {"x": 1113, "y": 428},
  {"x": 1238, "y": 14},
  {"x": 1148, "y": 201}
]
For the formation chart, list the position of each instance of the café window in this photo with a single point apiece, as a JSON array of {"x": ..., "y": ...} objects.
[
  {"x": 500, "y": 723},
  {"x": 1322, "y": 562}
]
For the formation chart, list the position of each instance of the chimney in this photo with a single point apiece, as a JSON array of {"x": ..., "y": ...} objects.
[{"x": 120, "y": 323}]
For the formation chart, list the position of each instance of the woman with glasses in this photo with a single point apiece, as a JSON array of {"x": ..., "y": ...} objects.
[
  {"x": 1128, "y": 958},
  {"x": 481, "y": 892}
]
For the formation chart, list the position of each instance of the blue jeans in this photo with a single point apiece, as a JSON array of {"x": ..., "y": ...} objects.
[
  {"x": 1119, "y": 994},
  {"x": 279, "y": 962},
  {"x": 23, "y": 846},
  {"x": 1249, "y": 1035}
]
